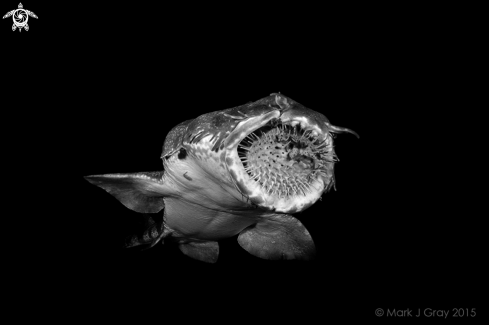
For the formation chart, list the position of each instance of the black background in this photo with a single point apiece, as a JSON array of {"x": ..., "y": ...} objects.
[{"x": 95, "y": 89}]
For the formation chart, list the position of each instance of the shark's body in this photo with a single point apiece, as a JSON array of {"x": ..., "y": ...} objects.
[{"x": 243, "y": 171}]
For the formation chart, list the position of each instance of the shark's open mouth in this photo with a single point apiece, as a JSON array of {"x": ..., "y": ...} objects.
[
  {"x": 286, "y": 161},
  {"x": 280, "y": 163}
]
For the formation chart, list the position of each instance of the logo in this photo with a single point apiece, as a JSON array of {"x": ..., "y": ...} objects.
[{"x": 20, "y": 17}]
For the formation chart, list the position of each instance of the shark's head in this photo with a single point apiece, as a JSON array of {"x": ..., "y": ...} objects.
[{"x": 274, "y": 153}]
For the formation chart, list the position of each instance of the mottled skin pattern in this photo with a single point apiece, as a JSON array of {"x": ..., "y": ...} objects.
[
  {"x": 215, "y": 122},
  {"x": 222, "y": 122},
  {"x": 206, "y": 193}
]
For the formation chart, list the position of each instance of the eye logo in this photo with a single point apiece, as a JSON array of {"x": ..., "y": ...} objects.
[{"x": 20, "y": 17}]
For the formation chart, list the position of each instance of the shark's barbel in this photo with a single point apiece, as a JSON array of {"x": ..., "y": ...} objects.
[{"x": 243, "y": 170}]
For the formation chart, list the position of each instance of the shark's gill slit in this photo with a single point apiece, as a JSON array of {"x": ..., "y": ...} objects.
[{"x": 286, "y": 160}]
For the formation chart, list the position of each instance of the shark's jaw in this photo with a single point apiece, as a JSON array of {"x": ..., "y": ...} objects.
[{"x": 279, "y": 162}]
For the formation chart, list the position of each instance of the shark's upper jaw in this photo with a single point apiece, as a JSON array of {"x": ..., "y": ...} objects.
[{"x": 281, "y": 161}]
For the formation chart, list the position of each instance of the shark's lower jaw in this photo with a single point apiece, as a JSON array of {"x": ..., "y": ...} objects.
[{"x": 282, "y": 166}]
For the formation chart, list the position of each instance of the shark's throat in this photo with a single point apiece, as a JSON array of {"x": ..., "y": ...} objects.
[
  {"x": 282, "y": 166},
  {"x": 286, "y": 161}
]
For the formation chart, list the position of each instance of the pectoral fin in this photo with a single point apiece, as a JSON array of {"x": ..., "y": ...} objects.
[
  {"x": 142, "y": 192},
  {"x": 203, "y": 251},
  {"x": 279, "y": 237}
]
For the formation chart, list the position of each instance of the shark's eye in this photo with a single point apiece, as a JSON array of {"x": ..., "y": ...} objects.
[
  {"x": 182, "y": 154},
  {"x": 285, "y": 160}
]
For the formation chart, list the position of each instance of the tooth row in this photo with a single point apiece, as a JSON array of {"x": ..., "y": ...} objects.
[{"x": 313, "y": 132}]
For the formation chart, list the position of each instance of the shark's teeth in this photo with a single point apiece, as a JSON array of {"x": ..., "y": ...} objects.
[
  {"x": 308, "y": 129},
  {"x": 306, "y": 125}
]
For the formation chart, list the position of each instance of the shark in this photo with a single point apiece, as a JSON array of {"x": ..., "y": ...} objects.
[{"x": 241, "y": 171}]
